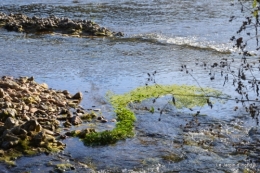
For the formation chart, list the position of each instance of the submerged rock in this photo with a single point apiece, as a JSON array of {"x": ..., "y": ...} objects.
[
  {"x": 254, "y": 133},
  {"x": 67, "y": 124}
]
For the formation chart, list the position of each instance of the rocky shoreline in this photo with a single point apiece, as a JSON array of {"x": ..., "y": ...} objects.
[
  {"x": 53, "y": 24},
  {"x": 32, "y": 114}
]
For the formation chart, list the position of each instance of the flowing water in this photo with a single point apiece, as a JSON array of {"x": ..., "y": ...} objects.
[{"x": 160, "y": 35}]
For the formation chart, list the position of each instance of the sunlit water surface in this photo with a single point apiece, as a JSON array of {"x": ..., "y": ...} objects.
[{"x": 159, "y": 36}]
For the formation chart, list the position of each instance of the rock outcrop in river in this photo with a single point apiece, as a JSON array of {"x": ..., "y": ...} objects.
[
  {"x": 31, "y": 113},
  {"x": 23, "y": 23}
]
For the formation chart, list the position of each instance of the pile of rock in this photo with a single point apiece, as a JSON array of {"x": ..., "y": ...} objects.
[
  {"x": 23, "y": 23},
  {"x": 30, "y": 113}
]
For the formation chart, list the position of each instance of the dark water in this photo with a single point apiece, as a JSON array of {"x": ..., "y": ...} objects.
[{"x": 159, "y": 35}]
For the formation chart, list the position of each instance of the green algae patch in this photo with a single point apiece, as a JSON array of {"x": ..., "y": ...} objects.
[
  {"x": 183, "y": 96},
  {"x": 123, "y": 129},
  {"x": 10, "y": 156},
  {"x": 27, "y": 148},
  {"x": 172, "y": 157},
  {"x": 64, "y": 166}
]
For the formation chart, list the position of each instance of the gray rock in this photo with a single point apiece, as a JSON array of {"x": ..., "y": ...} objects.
[
  {"x": 104, "y": 121},
  {"x": 9, "y": 112},
  {"x": 2, "y": 93},
  {"x": 78, "y": 96},
  {"x": 76, "y": 120},
  {"x": 39, "y": 137},
  {"x": 2, "y": 129},
  {"x": 32, "y": 125},
  {"x": 11, "y": 122},
  {"x": 67, "y": 124},
  {"x": 8, "y": 104},
  {"x": 18, "y": 131},
  {"x": 8, "y": 140},
  {"x": 49, "y": 132},
  {"x": 9, "y": 84},
  {"x": 9, "y": 144}
]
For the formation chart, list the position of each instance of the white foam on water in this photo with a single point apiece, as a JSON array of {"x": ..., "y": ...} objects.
[{"x": 191, "y": 41}]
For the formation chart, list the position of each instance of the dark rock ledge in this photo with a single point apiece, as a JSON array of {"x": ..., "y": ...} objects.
[{"x": 53, "y": 24}]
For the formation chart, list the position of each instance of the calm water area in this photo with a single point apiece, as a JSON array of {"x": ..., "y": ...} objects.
[{"x": 160, "y": 35}]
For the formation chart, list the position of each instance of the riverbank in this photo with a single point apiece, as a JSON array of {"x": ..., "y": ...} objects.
[{"x": 32, "y": 114}]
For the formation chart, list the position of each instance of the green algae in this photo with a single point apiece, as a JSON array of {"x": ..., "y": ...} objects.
[
  {"x": 23, "y": 148},
  {"x": 184, "y": 96},
  {"x": 10, "y": 156},
  {"x": 26, "y": 148},
  {"x": 172, "y": 157},
  {"x": 64, "y": 166}
]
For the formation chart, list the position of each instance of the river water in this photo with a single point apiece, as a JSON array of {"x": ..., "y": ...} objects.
[{"x": 160, "y": 35}]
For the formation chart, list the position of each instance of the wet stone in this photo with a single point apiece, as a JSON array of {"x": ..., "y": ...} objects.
[
  {"x": 104, "y": 121},
  {"x": 10, "y": 112},
  {"x": 31, "y": 125},
  {"x": 84, "y": 132},
  {"x": 11, "y": 122},
  {"x": 9, "y": 144},
  {"x": 18, "y": 131},
  {"x": 9, "y": 140},
  {"x": 78, "y": 96},
  {"x": 2, "y": 93},
  {"x": 67, "y": 124},
  {"x": 76, "y": 120},
  {"x": 39, "y": 137}
]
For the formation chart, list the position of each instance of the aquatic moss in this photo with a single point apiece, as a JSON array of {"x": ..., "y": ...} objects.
[
  {"x": 172, "y": 157},
  {"x": 89, "y": 116},
  {"x": 64, "y": 166},
  {"x": 25, "y": 147},
  {"x": 185, "y": 96},
  {"x": 24, "y": 144},
  {"x": 247, "y": 170},
  {"x": 10, "y": 156}
]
